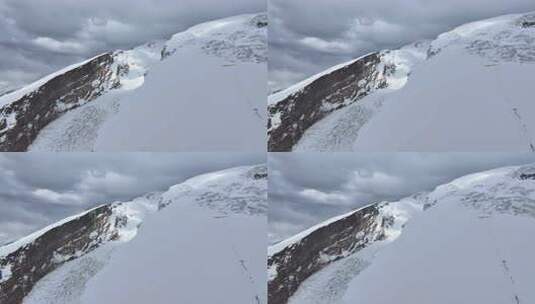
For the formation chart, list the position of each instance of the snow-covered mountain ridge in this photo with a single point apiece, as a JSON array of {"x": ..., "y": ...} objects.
[
  {"x": 94, "y": 92},
  {"x": 343, "y": 259},
  {"x": 29, "y": 265},
  {"x": 406, "y": 99}
]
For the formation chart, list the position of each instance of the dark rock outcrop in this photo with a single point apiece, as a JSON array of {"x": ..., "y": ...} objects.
[
  {"x": 36, "y": 259},
  {"x": 300, "y": 110},
  {"x": 258, "y": 172},
  {"x": 526, "y": 176},
  {"x": 37, "y": 109},
  {"x": 527, "y": 21},
  {"x": 295, "y": 263},
  {"x": 260, "y": 20}
]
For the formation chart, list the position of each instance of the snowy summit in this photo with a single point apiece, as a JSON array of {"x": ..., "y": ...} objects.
[
  {"x": 202, "y": 90},
  {"x": 199, "y": 242},
  {"x": 465, "y": 242},
  {"x": 467, "y": 90}
]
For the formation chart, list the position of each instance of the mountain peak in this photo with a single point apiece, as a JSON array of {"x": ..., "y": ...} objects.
[
  {"x": 374, "y": 238},
  {"x": 80, "y": 108},
  {"x": 354, "y": 106},
  {"x": 237, "y": 192}
]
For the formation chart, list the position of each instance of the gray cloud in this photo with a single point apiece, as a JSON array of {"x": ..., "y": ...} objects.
[
  {"x": 307, "y": 188},
  {"x": 38, "y": 37},
  {"x": 37, "y": 189},
  {"x": 307, "y": 37}
]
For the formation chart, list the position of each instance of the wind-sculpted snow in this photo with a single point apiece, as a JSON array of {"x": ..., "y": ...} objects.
[
  {"x": 55, "y": 265},
  {"x": 469, "y": 235},
  {"x": 235, "y": 39},
  {"x": 430, "y": 98},
  {"x": 235, "y": 191},
  {"x": 246, "y": 44},
  {"x": 501, "y": 39},
  {"x": 509, "y": 193}
]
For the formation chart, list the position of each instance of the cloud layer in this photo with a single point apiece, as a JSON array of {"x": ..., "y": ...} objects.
[
  {"x": 39, "y": 37},
  {"x": 39, "y": 189},
  {"x": 307, "y": 37},
  {"x": 307, "y": 188}
]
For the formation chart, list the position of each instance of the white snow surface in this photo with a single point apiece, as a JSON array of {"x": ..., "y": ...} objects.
[
  {"x": 208, "y": 93},
  {"x": 206, "y": 246},
  {"x": 470, "y": 244},
  {"x": 469, "y": 89}
]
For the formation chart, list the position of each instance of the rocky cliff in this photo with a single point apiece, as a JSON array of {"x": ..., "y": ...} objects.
[
  {"x": 290, "y": 115},
  {"x": 22, "y": 119},
  {"x": 298, "y": 260},
  {"x": 219, "y": 196},
  {"x": 25, "y": 266}
]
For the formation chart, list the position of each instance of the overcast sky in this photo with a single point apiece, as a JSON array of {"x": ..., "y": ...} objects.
[
  {"x": 38, "y": 37},
  {"x": 308, "y": 188},
  {"x": 307, "y": 37},
  {"x": 37, "y": 189}
]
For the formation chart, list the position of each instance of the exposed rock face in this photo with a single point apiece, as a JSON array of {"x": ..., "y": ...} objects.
[
  {"x": 260, "y": 20},
  {"x": 298, "y": 261},
  {"x": 525, "y": 176},
  {"x": 259, "y": 172},
  {"x": 36, "y": 259},
  {"x": 32, "y": 112},
  {"x": 527, "y": 20},
  {"x": 300, "y": 110}
]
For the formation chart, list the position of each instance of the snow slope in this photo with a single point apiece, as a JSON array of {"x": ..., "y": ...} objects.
[
  {"x": 469, "y": 89},
  {"x": 202, "y": 90},
  {"x": 464, "y": 242},
  {"x": 202, "y": 241}
]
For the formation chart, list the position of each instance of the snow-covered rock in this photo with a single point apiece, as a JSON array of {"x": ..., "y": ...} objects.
[
  {"x": 207, "y": 233},
  {"x": 464, "y": 242},
  {"x": 203, "y": 89},
  {"x": 469, "y": 89}
]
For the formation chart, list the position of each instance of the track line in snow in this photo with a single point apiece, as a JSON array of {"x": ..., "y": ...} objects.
[
  {"x": 257, "y": 113},
  {"x": 518, "y": 117},
  {"x": 524, "y": 128},
  {"x": 507, "y": 273},
  {"x": 242, "y": 263},
  {"x": 508, "y": 276},
  {"x": 247, "y": 273}
]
